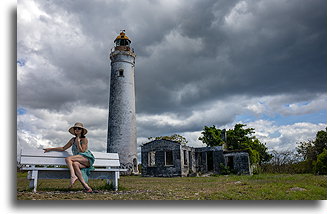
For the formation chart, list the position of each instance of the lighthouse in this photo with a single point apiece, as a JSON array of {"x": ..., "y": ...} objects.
[{"x": 121, "y": 137}]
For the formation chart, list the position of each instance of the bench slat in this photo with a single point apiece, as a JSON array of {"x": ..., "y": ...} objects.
[
  {"x": 61, "y": 161},
  {"x": 101, "y": 155},
  {"x": 66, "y": 169},
  {"x": 106, "y": 163},
  {"x": 40, "y": 153}
]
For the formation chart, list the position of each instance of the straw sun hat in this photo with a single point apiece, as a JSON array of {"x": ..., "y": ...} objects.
[{"x": 77, "y": 125}]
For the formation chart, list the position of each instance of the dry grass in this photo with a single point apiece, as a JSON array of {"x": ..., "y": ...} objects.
[{"x": 256, "y": 187}]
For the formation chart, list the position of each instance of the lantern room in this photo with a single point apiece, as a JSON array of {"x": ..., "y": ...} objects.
[{"x": 122, "y": 42}]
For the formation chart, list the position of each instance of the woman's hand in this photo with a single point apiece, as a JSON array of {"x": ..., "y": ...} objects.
[
  {"x": 46, "y": 150},
  {"x": 77, "y": 141}
]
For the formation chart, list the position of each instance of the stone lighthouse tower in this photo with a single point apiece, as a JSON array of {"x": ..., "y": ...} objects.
[{"x": 122, "y": 120}]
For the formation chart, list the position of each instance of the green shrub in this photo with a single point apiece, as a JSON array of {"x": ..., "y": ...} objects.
[
  {"x": 321, "y": 164},
  {"x": 224, "y": 170}
]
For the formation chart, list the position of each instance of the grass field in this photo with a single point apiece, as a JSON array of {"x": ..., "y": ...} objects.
[{"x": 232, "y": 187}]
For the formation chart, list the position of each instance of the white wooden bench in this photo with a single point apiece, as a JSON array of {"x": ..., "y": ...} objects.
[{"x": 48, "y": 165}]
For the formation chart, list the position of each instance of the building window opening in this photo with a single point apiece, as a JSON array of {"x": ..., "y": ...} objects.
[
  {"x": 121, "y": 73},
  {"x": 185, "y": 157},
  {"x": 169, "y": 158},
  {"x": 152, "y": 158},
  {"x": 210, "y": 161}
]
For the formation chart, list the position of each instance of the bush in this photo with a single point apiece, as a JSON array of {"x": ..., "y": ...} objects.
[
  {"x": 224, "y": 170},
  {"x": 321, "y": 164}
]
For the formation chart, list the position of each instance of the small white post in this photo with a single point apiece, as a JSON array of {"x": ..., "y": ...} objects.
[
  {"x": 32, "y": 176},
  {"x": 116, "y": 180}
]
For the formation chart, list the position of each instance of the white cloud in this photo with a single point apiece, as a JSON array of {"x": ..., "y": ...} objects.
[
  {"x": 43, "y": 128},
  {"x": 29, "y": 11},
  {"x": 284, "y": 137},
  {"x": 240, "y": 17},
  {"x": 257, "y": 108},
  {"x": 287, "y": 105}
]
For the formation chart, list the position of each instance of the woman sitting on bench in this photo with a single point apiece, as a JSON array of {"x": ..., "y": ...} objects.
[{"x": 81, "y": 163}]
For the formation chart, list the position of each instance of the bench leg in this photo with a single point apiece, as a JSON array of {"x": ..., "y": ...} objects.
[
  {"x": 114, "y": 181},
  {"x": 32, "y": 176}
]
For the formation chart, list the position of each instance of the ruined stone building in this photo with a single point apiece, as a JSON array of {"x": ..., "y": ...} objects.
[{"x": 165, "y": 158}]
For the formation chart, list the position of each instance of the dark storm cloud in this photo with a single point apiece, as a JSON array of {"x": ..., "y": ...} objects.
[
  {"x": 280, "y": 50},
  {"x": 76, "y": 40}
]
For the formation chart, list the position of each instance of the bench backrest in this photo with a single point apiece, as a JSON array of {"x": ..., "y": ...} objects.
[{"x": 38, "y": 157}]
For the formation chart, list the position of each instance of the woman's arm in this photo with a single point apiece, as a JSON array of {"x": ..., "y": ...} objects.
[
  {"x": 60, "y": 149},
  {"x": 82, "y": 147}
]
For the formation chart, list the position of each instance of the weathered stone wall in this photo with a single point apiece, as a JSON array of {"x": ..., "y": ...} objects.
[
  {"x": 188, "y": 167},
  {"x": 160, "y": 169},
  {"x": 241, "y": 162},
  {"x": 209, "y": 159}
]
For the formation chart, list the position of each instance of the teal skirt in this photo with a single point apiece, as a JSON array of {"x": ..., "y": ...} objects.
[{"x": 86, "y": 172}]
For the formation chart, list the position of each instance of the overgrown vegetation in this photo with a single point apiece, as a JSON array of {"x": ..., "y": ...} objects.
[
  {"x": 239, "y": 138},
  {"x": 175, "y": 137},
  {"x": 314, "y": 152}
]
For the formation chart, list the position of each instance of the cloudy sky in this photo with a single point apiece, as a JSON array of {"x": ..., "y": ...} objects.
[{"x": 199, "y": 63}]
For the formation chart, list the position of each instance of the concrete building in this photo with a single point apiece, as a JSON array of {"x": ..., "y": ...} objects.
[
  {"x": 165, "y": 158},
  {"x": 121, "y": 136}
]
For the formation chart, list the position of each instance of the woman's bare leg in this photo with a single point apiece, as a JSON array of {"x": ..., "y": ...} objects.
[
  {"x": 73, "y": 176},
  {"x": 77, "y": 167}
]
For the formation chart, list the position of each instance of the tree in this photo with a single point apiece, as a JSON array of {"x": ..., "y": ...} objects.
[
  {"x": 240, "y": 138},
  {"x": 237, "y": 139},
  {"x": 321, "y": 165},
  {"x": 311, "y": 150},
  {"x": 321, "y": 141},
  {"x": 175, "y": 137},
  {"x": 212, "y": 136},
  {"x": 307, "y": 150}
]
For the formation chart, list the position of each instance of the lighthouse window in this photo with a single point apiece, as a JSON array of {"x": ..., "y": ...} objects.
[
  {"x": 121, "y": 73},
  {"x": 122, "y": 42}
]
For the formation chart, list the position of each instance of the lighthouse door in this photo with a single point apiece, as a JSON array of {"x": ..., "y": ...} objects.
[{"x": 135, "y": 165}]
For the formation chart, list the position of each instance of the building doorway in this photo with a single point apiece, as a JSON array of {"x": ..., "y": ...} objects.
[
  {"x": 230, "y": 162},
  {"x": 210, "y": 161}
]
